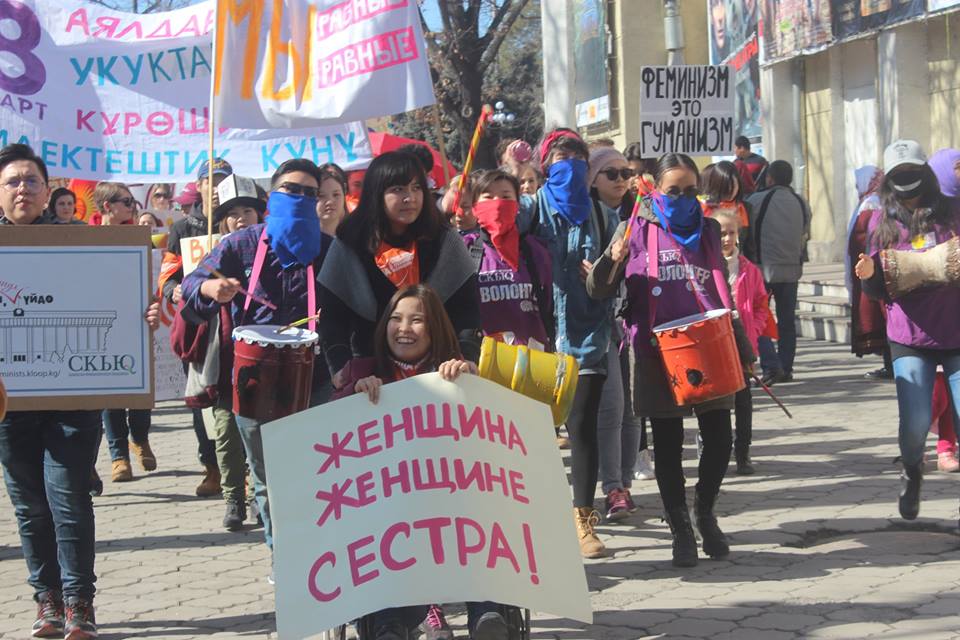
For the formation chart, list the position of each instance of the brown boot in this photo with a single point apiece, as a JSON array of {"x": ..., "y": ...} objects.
[
  {"x": 122, "y": 471},
  {"x": 590, "y": 545},
  {"x": 144, "y": 455},
  {"x": 210, "y": 485}
]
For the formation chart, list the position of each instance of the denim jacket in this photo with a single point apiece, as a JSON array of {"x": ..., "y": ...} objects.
[{"x": 583, "y": 325}]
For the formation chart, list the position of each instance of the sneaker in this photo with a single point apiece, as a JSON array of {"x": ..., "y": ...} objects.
[
  {"x": 81, "y": 623},
  {"x": 563, "y": 442},
  {"x": 49, "y": 623},
  {"x": 616, "y": 505},
  {"x": 121, "y": 471},
  {"x": 96, "y": 483},
  {"x": 236, "y": 514},
  {"x": 948, "y": 462},
  {"x": 144, "y": 454},
  {"x": 434, "y": 626},
  {"x": 491, "y": 626},
  {"x": 770, "y": 378},
  {"x": 880, "y": 374},
  {"x": 631, "y": 505},
  {"x": 643, "y": 468}
]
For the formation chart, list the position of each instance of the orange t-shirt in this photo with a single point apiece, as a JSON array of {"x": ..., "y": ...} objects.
[{"x": 399, "y": 264}]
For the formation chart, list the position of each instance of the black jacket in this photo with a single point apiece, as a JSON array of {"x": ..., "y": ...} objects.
[{"x": 347, "y": 326}]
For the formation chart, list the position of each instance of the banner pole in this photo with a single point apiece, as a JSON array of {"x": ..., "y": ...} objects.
[
  {"x": 441, "y": 145},
  {"x": 211, "y": 122},
  {"x": 485, "y": 114}
]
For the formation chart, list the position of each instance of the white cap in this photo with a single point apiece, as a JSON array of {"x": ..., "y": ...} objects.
[
  {"x": 901, "y": 152},
  {"x": 234, "y": 186}
]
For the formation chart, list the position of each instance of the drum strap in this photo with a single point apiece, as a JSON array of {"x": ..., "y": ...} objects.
[
  {"x": 258, "y": 261},
  {"x": 653, "y": 272}
]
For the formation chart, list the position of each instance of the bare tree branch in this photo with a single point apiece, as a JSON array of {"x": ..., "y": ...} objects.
[{"x": 504, "y": 21}]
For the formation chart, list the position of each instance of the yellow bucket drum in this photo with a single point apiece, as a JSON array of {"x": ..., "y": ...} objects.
[{"x": 550, "y": 378}]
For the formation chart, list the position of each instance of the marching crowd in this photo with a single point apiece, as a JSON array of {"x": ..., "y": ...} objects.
[{"x": 599, "y": 248}]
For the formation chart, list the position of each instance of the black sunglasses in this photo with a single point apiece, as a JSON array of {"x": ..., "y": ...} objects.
[
  {"x": 299, "y": 189},
  {"x": 127, "y": 202},
  {"x": 626, "y": 173}
]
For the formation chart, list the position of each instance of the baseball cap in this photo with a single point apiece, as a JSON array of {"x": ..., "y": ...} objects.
[
  {"x": 901, "y": 152},
  {"x": 219, "y": 166}
]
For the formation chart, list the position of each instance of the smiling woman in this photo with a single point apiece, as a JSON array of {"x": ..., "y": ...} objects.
[{"x": 393, "y": 239}]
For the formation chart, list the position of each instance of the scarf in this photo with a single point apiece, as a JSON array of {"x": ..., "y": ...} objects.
[
  {"x": 293, "y": 228},
  {"x": 566, "y": 190},
  {"x": 404, "y": 370},
  {"x": 399, "y": 264},
  {"x": 682, "y": 217},
  {"x": 498, "y": 217}
]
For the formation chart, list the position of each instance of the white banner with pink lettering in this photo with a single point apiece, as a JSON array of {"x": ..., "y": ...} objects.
[
  {"x": 106, "y": 95},
  {"x": 299, "y": 63},
  {"x": 441, "y": 492}
]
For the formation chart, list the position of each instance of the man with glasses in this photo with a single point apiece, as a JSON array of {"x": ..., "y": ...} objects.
[
  {"x": 47, "y": 456},
  {"x": 291, "y": 248},
  {"x": 192, "y": 225}
]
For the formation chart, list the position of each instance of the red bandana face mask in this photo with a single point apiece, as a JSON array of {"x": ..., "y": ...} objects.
[{"x": 499, "y": 218}]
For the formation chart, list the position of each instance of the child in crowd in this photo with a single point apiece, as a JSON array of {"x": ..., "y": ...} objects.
[
  {"x": 752, "y": 301},
  {"x": 515, "y": 284},
  {"x": 415, "y": 336}
]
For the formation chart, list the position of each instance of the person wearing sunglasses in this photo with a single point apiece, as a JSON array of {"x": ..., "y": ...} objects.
[
  {"x": 291, "y": 249},
  {"x": 686, "y": 275},
  {"x": 160, "y": 198},
  {"x": 114, "y": 204},
  {"x": 618, "y": 432}
]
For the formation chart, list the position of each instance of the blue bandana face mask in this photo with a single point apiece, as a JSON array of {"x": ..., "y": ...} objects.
[
  {"x": 566, "y": 190},
  {"x": 682, "y": 216},
  {"x": 293, "y": 228}
]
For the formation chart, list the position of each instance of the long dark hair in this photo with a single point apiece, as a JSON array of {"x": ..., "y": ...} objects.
[
  {"x": 670, "y": 161},
  {"x": 717, "y": 180},
  {"x": 932, "y": 209},
  {"x": 443, "y": 338},
  {"x": 58, "y": 193},
  {"x": 367, "y": 226}
]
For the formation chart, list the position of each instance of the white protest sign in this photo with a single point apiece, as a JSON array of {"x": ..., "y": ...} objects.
[
  {"x": 194, "y": 249},
  {"x": 105, "y": 95},
  {"x": 72, "y": 331},
  {"x": 300, "y": 63},
  {"x": 167, "y": 367},
  {"x": 687, "y": 109},
  {"x": 441, "y": 492}
]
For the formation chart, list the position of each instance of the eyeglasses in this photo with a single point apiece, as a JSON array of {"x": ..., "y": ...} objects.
[
  {"x": 127, "y": 202},
  {"x": 675, "y": 192},
  {"x": 299, "y": 189},
  {"x": 165, "y": 196},
  {"x": 625, "y": 174},
  {"x": 31, "y": 185}
]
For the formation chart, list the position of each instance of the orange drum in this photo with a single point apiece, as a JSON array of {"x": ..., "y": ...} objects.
[
  {"x": 272, "y": 372},
  {"x": 700, "y": 357}
]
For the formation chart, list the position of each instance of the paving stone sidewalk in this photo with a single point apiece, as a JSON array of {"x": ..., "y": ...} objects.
[{"x": 818, "y": 549}]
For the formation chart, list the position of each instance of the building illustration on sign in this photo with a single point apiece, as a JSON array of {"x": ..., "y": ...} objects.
[{"x": 47, "y": 336}]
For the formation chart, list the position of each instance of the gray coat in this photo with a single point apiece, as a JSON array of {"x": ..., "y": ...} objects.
[{"x": 781, "y": 237}]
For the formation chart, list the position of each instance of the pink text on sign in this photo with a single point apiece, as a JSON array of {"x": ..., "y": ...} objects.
[
  {"x": 379, "y": 52},
  {"x": 348, "y": 13}
]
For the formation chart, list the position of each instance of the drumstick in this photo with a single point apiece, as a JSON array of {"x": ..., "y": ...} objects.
[
  {"x": 770, "y": 393},
  {"x": 298, "y": 323},
  {"x": 626, "y": 236},
  {"x": 217, "y": 274}
]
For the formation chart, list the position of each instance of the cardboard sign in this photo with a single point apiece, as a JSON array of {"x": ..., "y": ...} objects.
[
  {"x": 339, "y": 61},
  {"x": 107, "y": 95},
  {"x": 441, "y": 492},
  {"x": 687, "y": 109},
  {"x": 167, "y": 367},
  {"x": 72, "y": 333},
  {"x": 194, "y": 249}
]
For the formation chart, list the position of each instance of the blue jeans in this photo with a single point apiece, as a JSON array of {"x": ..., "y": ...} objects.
[
  {"x": 121, "y": 424},
  {"x": 253, "y": 445},
  {"x": 915, "y": 376},
  {"x": 785, "y": 297},
  {"x": 46, "y": 458}
]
